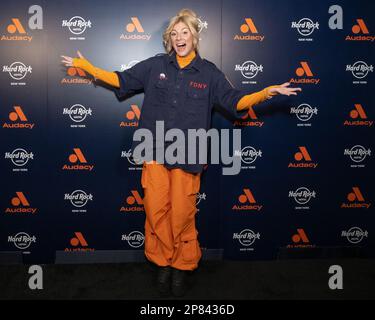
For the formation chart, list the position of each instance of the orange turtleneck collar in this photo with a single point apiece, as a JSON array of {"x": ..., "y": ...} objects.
[{"x": 184, "y": 61}]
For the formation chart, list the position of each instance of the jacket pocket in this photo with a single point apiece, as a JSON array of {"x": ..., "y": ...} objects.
[
  {"x": 161, "y": 91},
  {"x": 197, "y": 94}
]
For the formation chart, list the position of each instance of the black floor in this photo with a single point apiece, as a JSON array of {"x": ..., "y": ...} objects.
[{"x": 281, "y": 279}]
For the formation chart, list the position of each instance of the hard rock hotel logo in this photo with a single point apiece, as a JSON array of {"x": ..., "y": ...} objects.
[{"x": 77, "y": 27}]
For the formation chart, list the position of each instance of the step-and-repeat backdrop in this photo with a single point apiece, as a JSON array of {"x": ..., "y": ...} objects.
[{"x": 70, "y": 191}]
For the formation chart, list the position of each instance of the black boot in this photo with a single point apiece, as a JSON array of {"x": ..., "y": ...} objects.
[
  {"x": 163, "y": 280},
  {"x": 179, "y": 282}
]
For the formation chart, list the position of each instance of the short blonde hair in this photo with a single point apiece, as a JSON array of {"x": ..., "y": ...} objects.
[{"x": 188, "y": 17}]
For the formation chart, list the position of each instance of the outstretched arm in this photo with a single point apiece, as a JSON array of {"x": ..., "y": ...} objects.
[
  {"x": 250, "y": 100},
  {"x": 108, "y": 77}
]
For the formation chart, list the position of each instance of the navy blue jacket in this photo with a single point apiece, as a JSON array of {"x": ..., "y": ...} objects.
[{"x": 182, "y": 98}]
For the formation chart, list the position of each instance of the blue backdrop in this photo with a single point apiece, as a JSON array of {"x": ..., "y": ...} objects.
[{"x": 307, "y": 178}]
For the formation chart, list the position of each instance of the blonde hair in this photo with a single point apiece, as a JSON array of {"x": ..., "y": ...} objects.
[{"x": 188, "y": 17}]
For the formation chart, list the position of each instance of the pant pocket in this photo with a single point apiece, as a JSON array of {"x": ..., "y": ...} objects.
[
  {"x": 190, "y": 248},
  {"x": 151, "y": 242}
]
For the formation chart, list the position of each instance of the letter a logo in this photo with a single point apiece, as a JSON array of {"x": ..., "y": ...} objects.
[
  {"x": 36, "y": 280},
  {"x": 16, "y": 26},
  {"x": 300, "y": 236},
  {"x": 17, "y": 114},
  {"x": 248, "y": 26},
  {"x": 247, "y": 196},
  {"x": 77, "y": 155},
  {"x": 135, "y": 25},
  {"x": 20, "y": 199},
  {"x": 133, "y": 113},
  {"x": 358, "y": 112},
  {"x": 303, "y": 154},
  {"x": 355, "y": 195},
  {"x": 135, "y": 198},
  {"x": 336, "y": 280},
  {"x": 361, "y": 26},
  {"x": 304, "y": 70},
  {"x": 78, "y": 240},
  {"x": 72, "y": 71}
]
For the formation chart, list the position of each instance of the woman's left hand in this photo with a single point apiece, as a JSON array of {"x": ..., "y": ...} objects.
[{"x": 283, "y": 89}]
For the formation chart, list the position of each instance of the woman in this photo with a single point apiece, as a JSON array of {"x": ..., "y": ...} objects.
[{"x": 180, "y": 89}]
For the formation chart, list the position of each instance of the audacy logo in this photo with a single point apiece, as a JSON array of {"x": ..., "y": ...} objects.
[
  {"x": 356, "y": 200},
  {"x": 77, "y": 161},
  {"x": 135, "y": 31},
  {"x": 249, "y": 32},
  {"x": 79, "y": 244},
  {"x": 20, "y": 119},
  {"x": 134, "y": 203},
  {"x": 248, "y": 202},
  {"x": 132, "y": 116},
  {"x": 358, "y": 117},
  {"x": 20, "y": 205},
  {"x": 300, "y": 240},
  {"x": 305, "y": 75},
  {"x": 361, "y": 32},
  {"x": 303, "y": 159},
  {"x": 16, "y": 30}
]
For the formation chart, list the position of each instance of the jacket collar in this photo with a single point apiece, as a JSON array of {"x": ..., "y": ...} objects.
[{"x": 196, "y": 63}]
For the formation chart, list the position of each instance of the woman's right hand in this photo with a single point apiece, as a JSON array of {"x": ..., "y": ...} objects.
[{"x": 68, "y": 61}]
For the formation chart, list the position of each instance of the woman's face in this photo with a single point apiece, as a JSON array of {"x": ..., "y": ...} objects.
[{"x": 182, "y": 39}]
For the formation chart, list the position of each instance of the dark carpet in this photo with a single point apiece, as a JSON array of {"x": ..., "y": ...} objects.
[{"x": 280, "y": 279}]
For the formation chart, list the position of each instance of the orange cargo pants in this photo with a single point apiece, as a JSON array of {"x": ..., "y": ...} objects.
[{"x": 170, "y": 205}]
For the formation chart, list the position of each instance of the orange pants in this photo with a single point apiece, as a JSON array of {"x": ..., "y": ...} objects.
[{"x": 170, "y": 205}]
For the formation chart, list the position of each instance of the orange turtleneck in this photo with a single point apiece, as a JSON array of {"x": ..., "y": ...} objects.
[
  {"x": 111, "y": 78},
  {"x": 185, "y": 61}
]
